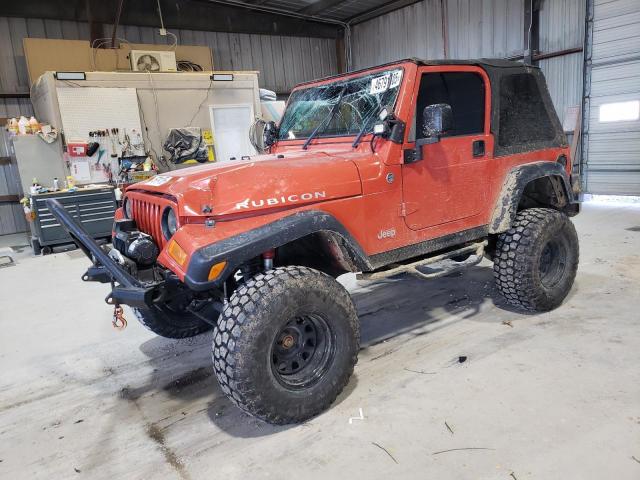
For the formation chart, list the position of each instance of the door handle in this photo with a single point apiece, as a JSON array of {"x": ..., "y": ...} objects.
[{"x": 478, "y": 148}]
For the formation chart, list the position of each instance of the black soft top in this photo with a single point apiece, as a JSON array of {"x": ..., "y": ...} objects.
[
  {"x": 480, "y": 62},
  {"x": 523, "y": 117}
]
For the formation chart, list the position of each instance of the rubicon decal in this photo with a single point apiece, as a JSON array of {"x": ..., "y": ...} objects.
[{"x": 287, "y": 199}]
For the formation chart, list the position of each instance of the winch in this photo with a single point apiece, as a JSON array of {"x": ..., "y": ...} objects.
[{"x": 134, "y": 244}]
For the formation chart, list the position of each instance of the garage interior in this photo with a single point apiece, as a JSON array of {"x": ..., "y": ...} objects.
[{"x": 451, "y": 381}]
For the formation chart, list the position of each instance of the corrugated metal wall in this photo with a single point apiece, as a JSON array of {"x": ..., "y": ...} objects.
[
  {"x": 613, "y": 147},
  {"x": 12, "y": 218},
  {"x": 476, "y": 28},
  {"x": 282, "y": 61},
  {"x": 479, "y": 28},
  {"x": 414, "y": 31},
  {"x": 562, "y": 28}
]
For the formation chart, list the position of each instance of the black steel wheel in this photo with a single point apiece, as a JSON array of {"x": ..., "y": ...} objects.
[
  {"x": 286, "y": 344},
  {"x": 303, "y": 351},
  {"x": 553, "y": 262}
]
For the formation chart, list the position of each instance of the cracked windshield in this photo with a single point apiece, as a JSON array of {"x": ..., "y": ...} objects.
[{"x": 341, "y": 108}]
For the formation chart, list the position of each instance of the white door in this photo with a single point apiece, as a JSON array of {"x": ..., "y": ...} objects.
[{"x": 230, "y": 125}]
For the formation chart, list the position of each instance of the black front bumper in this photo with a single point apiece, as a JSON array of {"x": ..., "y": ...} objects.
[{"x": 126, "y": 289}]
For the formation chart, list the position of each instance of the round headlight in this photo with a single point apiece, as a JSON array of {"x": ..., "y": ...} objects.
[
  {"x": 128, "y": 209},
  {"x": 169, "y": 223}
]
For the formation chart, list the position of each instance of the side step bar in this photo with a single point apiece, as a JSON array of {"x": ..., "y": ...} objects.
[{"x": 476, "y": 250}]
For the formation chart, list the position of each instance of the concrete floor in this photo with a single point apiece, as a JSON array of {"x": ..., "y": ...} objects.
[{"x": 550, "y": 396}]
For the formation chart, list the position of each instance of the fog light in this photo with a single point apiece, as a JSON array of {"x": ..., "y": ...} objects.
[
  {"x": 177, "y": 253},
  {"x": 216, "y": 270}
]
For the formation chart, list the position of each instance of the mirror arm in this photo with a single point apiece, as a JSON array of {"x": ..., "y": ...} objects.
[
  {"x": 417, "y": 151},
  {"x": 396, "y": 130}
]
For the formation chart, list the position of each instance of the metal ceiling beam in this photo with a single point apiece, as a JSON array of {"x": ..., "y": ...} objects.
[
  {"x": 320, "y": 6},
  {"x": 215, "y": 16},
  {"x": 380, "y": 10}
]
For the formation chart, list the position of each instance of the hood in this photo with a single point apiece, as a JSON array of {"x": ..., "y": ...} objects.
[{"x": 263, "y": 182}]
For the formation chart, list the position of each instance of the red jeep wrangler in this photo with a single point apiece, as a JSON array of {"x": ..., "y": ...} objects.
[{"x": 414, "y": 166}]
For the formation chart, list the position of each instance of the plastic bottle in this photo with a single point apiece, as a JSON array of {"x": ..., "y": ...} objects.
[
  {"x": 13, "y": 126},
  {"x": 23, "y": 125},
  {"x": 35, "y": 126},
  {"x": 34, "y": 186}
]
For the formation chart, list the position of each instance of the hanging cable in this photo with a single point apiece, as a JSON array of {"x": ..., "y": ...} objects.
[
  {"x": 164, "y": 31},
  {"x": 116, "y": 23},
  {"x": 160, "y": 13},
  {"x": 204, "y": 99}
]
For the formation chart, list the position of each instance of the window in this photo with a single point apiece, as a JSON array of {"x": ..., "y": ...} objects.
[
  {"x": 523, "y": 115},
  {"x": 343, "y": 107},
  {"x": 620, "y": 111},
  {"x": 463, "y": 91}
]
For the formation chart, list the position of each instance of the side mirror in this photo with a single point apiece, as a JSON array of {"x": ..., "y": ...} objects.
[
  {"x": 437, "y": 119},
  {"x": 269, "y": 134}
]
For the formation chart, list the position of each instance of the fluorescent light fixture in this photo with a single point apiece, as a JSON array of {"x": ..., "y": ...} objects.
[
  {"x": 71, "y": 76},
  {"x": 620, "y": 111},
  {"x": 222, "y": 77}
]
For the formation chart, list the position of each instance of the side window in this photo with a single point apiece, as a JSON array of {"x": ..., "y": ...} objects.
[{"x": 463, "y": 91}]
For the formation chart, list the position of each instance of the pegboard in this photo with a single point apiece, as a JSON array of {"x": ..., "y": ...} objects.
[{"x": 84, "y": 109}]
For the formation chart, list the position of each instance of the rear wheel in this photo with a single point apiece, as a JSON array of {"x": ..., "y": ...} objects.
[
  {"x": 536, "y": 260},
  {"x": 286, "y": 344}
]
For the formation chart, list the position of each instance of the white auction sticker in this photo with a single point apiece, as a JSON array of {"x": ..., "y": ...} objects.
[
  {"x": 396, "y": 78},
  {"x": 157, "y": 181},
  {"x": 380, "y": 84}
]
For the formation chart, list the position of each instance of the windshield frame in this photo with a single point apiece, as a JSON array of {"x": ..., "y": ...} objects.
[{"x": 343, "y": 79}]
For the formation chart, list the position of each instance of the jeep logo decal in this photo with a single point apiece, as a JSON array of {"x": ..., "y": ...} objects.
[
  {"x": 293, "y": 198},
  {"x": 390, "y": 233}
]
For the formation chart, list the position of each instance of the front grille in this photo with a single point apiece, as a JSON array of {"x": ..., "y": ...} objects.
[{"x": 147, "y": 212}]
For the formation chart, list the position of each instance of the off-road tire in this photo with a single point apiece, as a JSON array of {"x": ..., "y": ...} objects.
[
  {"x": 246, "y": 343},
  {"x": 171, "y": 324},
  {"x": 536, "y": 260}
]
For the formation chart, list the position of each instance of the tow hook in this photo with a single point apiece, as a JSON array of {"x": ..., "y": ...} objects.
[{"x": 118, "y": 322}]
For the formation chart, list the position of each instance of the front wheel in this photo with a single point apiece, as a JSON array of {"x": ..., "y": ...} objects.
[
  {"x": 171, "y": 321},
  {"x": 536, "y": 260},
  {"x": 286, "y": 344}
]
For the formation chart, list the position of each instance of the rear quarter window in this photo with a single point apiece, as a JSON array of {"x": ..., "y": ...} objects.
[{"x": 523, "y": 115}]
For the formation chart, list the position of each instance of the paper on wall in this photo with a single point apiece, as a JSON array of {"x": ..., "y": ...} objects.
[{"x": 80, "y": 170}]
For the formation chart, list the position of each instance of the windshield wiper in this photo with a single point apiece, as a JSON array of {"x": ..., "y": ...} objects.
[
  {"x": 363, "y": 130},
  {"x": 361, "y": 133},
  {"x": 325, "y": 120}
]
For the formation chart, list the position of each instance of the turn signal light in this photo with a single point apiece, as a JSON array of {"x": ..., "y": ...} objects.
[
  {"x": 216, "y": 270},
  {"x": 177, "y": 253}
]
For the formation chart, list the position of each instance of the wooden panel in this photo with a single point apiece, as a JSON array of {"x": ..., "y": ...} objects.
[
  {"x": 44, "y": 54},
  {"x": 76, "y": 55}
]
